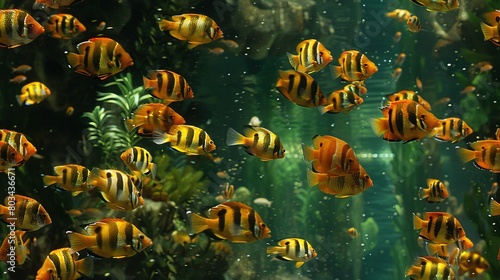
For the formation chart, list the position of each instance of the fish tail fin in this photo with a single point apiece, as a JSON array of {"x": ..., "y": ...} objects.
[
  {"x": 336, "y": 71},
  {"x": 85, "y": 267},
  {"x": 153, "y": 168},
  {"x": 312, "y": 178},
  {"x": 414, "y": 270},
  {"x": 80, "y": 241},
  {"x": 49, "y": 180},
  {"x": 488, "y": 31},
  {"x": 159, "y": 137},
  {"x": 417, "y": 222},
  {"x": 293, "y": 59},
  {"x": 466, "y": 155},
  {"x": 148, "y": 84},
  {"x": 494, "y": 208},
  {"x": 234, "y": 138},
  {"x": 73, "y": 59},
  {"x": 21, "y": 98},
  {"x": 308, "y": 152},
  {"x": 379, "y": 126},
  {"x": 422, "y": 193},
  {"x": 198, "y": 223},
  {"x": 94, "y": 178},
  {"x": 272, "y": 250},
  {"x": 167, "y": 25},
  {"x": 4, "y": 210}
]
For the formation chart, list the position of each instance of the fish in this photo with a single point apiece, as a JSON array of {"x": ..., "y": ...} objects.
[
  {"x": 418, "y": 82},
  {"x": 21, "y": 68},
  {"x": 414, "y": 24},
  {"x": 99, "y": 57},
  {"x": 18, "y": 79},
  {"x": 342, "y": 100},
  {"x": 436, "y": 191},
  {"x": 445, "y": 251},
  {"x": 468, "y": 89},
  {"x": 14, "y": 242},
  {"x": 405, "y": 120},
  {"x": 483, "y": 66},
  {"x": 9, "y": 157},
  {"x": 443, "y": 100},
  {"x": 262, "y": 201},
  {"x": 117, "y": 188},
  {"x": 233, "y": 221},
  {"x": 28, "y": 215},
  {"x": 397, "y": 37},
  {"x": 19, "y": 142},
  {"x": 340, "y": 186},
  {"x": 187, "y": 139},
  {"x": 473, "y": 263},
  {"x": 140, "y": 160},
  {"x": 293, "y": 249},
  {"x": 485, "y": 153},
  {"x": 216, "y": 51},
  {"x": 230, "y": 43},
  {"x": 401, "y": 59},
  {"x": 181, "y": 237},
  {"x": 353, "y": 232},
  {"x": 258, "y": 141},
  {"x": 400, "y": 15},
  {"x": 197, "y": 29},
  {"x": 397, "y": 73},
  {"x": 33, "y": 93},
  {"x": 101, "y": 26},
  {"x": 70, "y": 177},
  {"x": 438, "y": 5},
  {"x": 441, "y": 228},
  {"x": 494, "y": 208},
  {"x": 493, "y": 190},
  {"x": 25, "y": 26},
  {"x": 490, "y": 26},
  {"x": 311, "y": 56},
  {"x": 300, "y": 88},
  {"x": 167, "y": 85},
  {"x": 429, "y": 267},
  {"x": 153, "y": 116},
  {"x": 56, "y": 4},
  {"x": 110, "y": 238},
  {"x": 69, "y": 111},
  {"x": 331, "y": 155},
  {"x": 453, "y": 130},
  {"x": 64, "y": 26},
  {"x": 63, "y": 264},
  {"x": 354, "y": 66}
]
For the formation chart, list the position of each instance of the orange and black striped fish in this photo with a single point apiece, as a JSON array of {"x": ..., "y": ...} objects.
[
  {"x": 405, "y": 120},
  {"x": 167, "y": 85},
  {"x": 409, "y": 95},
  {"x": 33, "y": 93},
  {"x": 138, "y": 159},
  {"x": 234, "y": 221},
  {"x": 258, "y": 141},
  {"x": 331, "y": 155},
  {"x": 414, "y": 24},
  {"x": 353, "y": 232},
  {"x": 64, "y": 26},
  {"x": 19, "y": 142},
  {"x": 20, "y": 247},
  {"x": 429, "y": 267},
  {"x": 187, "y": 139},
  {"x": 100, "y": 57},
  {"x": 485, "y": 153},
  {"x": 56, "y": 4},
  {"x": 436, "y": 191},
  {"x": 195, "y": 28},
  {"x": 399, "y": 15},
  {"x": 340, "y": 186},
  {"x": 293, "y": 249},
  {"x": 354, "y": 66},
  {"x": 9, "y": 157},
  {"x": 70, "y": 177},
  {"x": 441, "y": 228},
  {"x": 153, "y": 116},
  {"x": 473, "y": 263},
  {"x": 437, "y": 5},
  {"x": 312, "y": 56},
  {"x": 342, "y": 100},
  {"x": 110, "y": 238},
  {"x": 18, "y": 28},
  {"x": 300, "y": 88},
  {"x": 63, "y": 264},
  {"x": 453, "y": 130},
  {"x": 28, "y": 214}
]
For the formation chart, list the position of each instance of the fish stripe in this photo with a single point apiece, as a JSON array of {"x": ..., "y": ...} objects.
[
  {"x": 451, "y": 232},
  {"x": 434, "y": 271},
  {"x": 297, "y": 248},
  {"x": 113, "y": 235},
  {"x": 86, "y": 57},
  {"x": 182, "y": 86},
  {"x": 277, "y": 147},
  {"x": 255, "y": 139},
  {"x": 314, "y": 91},
  {"x": 179, "y": 138},
  {"x": 493, "y": 153},
  {"x": 71, "y": 28},
  {"x": 110, "y": 52},
  {"x": 348, "y": 65},
  {"x": 412, "y": 113},
  {"x": 207, "y": 26},
  {"x": 3, "y": 151},
  {"x": 302, "y": 86},
  {"x": 359, "y": 64},
  {"x": 445, "y": 128},
  {"x": 129, "y": 235},
  {"x": 304, "y": 54},
  {"x": 159, "y": 81},
  {"x": 63, "y": 25},
  {"x": 252, "y": 221},
  {"x": 438, "y": 226},
  {"x": 21, "y": 24},
  {"x": 9, "y": 22},
  {"x": 430, "y": 225},
  {"x": 291, "y": 82},
  {"x": 343, "y": 156},
  {"x": 22, "y": 211},
  {"x": 460, "y": 126},
  {"x": 222, "y": 214},
  {"x": 400, "y": 119},
  {"x": 96, "y": 56},
  {"x": 202, "y": 138},
  {"x": 267, "y": 142},
  {"x": 170, "y": 83},
  {"x": 130, "y": 193},
  {"x": 68, "y": 268},
  {"x": 306, "y": 248},
  {"x": 193, "y": 24},
  {"x": 391, "y": 128},
  {"x": 181, "y": 23},
  {"x": 56, "y": 262},
  {"x": 189, "y": 136}
]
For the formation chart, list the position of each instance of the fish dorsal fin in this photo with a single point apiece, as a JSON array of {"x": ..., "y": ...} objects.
[
  {"x": 234, "y": 204},
  {"x": 112, "y": 220},
  {"x": 249, "y": 130}
]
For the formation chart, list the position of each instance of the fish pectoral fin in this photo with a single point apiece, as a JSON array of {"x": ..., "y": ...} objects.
[
  {"x": 127, "y": 248},
  {"x": 238, "y": 230},
  {"x": 299, "y": 264}
]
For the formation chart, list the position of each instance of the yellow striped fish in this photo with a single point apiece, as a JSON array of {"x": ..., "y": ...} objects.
[
  {"x": 110, "y": 238},
  {"x": 414, "y": 24},
  {"x": 428, "y": 267},
  {"x": 140, "y": 160},
  {"x": 118, "y": 189},
  {"x": 453, "y": 130},
  {"x": 409, "y": 95},
  {"x": 300, "y": 88},
  {"x": 436, "y": 191},
  {"x": 341, "y": 186},
  {"x": 195, "y": 28},
  {"x": 187, "y": 139},
  {"x": 71, "y": 177},
  {"x": 354, "y": 66},
  {"x": 342, "y": 100},
  {"x": 9, "y": 157},
  {"x": 33, "y": 93},
  {"x": 441, "y": 228},
  {"x": 257, "y": 141},
  {"x": 438, "y": 5},
  {"x": 167, "y": 85},
  {"x": 61, "y": 264},
  {"x": 100, "y": 57},
  {"x": 234, "y": 221},
  {"x": 28, "y": 214},
  {"x": 473, "y": 263},
  {"x": 18, "y": 28},
  {"x": 484, "y": 153},
  {"x": 64, "y": 26},
  {"x": 153, "y": 116},
  {"x": 312, "y": 56},
  {"x": 293, "y": 249},
  {"x": 19, "y": 142}
]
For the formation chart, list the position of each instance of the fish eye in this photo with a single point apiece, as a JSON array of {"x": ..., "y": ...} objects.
[
  {"x": 50, "y": 271},
  {"x": 25, "y": 144},
  {"x": 367, "y": 177},
  {"x": 320, "y": 53},
  {"x": 365, "y": 65},
  {"x": 262, "y": 225},
  {"x": 141, "y": 237},
  {"x": 350, "y": 161},
  {"x": 300, "y": 49},
  {"x": 13, "y": 154},
  {"x": 211, "y": 142},
  {"x": 422, "y": 117}
]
